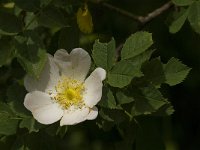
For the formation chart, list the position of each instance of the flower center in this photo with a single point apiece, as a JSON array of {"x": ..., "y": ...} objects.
[{"x": 69, "y": 93}]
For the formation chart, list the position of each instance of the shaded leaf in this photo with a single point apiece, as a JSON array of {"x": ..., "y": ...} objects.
[
  {"x": 147, "y": 100},
  {"x": 194, "y": 16},
  {"x": 10, "y": 23},
  {"x": 30, "y": 5},
  {"x": 179, "y": 21}
]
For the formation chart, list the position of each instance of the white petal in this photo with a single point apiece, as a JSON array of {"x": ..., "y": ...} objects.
[
  {"x": 93, "y": 87},
  {"x": 75, "y": 116},
  {"x": 93, "y": 113},
  {"x": 47, "y": 80},
  {"x": 75, "y": 65},
  {"x": 44, "y": 110}
]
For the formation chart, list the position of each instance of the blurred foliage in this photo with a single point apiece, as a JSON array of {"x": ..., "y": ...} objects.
[{"x": 134, "y": 109}]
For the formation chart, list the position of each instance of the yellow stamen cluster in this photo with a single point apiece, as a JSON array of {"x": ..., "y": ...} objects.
[{"x": 69, "y": 93}]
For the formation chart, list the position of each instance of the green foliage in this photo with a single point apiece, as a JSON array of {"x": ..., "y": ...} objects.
[
  {"x": 10, "y": 23},
  {"x": 8, "y": 121},
  {"x": 104, "y": 54},
  {"x": 31, "y": 5},
  {"x": 136, "y": 44},
  {"x": 194, "y": 16},
  {"x": 132, "y": 92},
  {"x": 179, "y": 21},
  {"x": 175, "y": 71}
]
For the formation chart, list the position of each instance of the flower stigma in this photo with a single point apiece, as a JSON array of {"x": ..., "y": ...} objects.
[{"x": 69, "y": 93}]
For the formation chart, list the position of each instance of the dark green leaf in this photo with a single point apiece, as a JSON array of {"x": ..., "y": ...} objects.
[
  {"x": 147, "y": 100},
  {"x": 136, "y": 44},
  {"x": 123, "y": 99},
  {"x": 30, "y": 123},
  {"x": 8, "y": 121},
  {"x": 10, "y": 23},
  {"x": 108, "y": 100},
  {"x": 104, "y": 54},
  {"x": 30, "y": 5},
  {"x": 179, "y": 21},
  {"x": 52, "y": 17},
  {"x": 6, "y": 51},
  {"x": 154, "y": 72}
]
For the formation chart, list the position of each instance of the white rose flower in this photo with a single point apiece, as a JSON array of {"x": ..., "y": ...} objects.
[{"x": 62, "y": 91}]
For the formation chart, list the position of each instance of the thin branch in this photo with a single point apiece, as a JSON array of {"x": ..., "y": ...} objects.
[
  {"x": 156, "y": 12},
  {"x": 140, "y": 19}
]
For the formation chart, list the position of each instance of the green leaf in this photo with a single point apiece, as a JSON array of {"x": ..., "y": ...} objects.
[
  {"x": 104, "y": 54},
  {"x": 108, "y": 100},
  {"x": 31, "y": 124},
  {"x": 8, "y": 121},
  {"x": 6, "y": 51},
  {"x": 165, "y": 110},
  {"x": 123, "y": 99},
  {"x": 30, "y": 21},
  {"x": 10, "y": 23},
  {"x": 52, "y": 17},
  {"x": 154, "y": 72},
  {"x": 30, "y": 53},
  {"x": 175, "y": 71},
  {"x": 194, "y": 16},
  {"x": 122, "y": 74},
  {"x": 182, "y": 2},
  {"x": 30, "y": 5},
  {"x": 179, "y": 21},
  {"x": 136, "y": 44},
  {"x": 147, "y": 100}
]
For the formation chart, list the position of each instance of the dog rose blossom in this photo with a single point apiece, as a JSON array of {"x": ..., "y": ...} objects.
[{"x": 62, "y": 91}]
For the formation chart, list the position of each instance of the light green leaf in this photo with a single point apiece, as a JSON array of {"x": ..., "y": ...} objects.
[
  {"x": 179, "y": 21},
  {"x": 123, "y": 99},
  {"x": 30, "y": 5},
  {"x": 154, "y": 72},
  {"x": 136, "y": 44},
  {"x": 9, "y": 23},
  {"x": 175, "y": 71},
  {"x": 182, "y": 2},
  {"x": 194, "y": 16},
  {"x": 147, "y": 100},
  {"x": 104, "y": 54},
  {"x": 122, "y": 74}
]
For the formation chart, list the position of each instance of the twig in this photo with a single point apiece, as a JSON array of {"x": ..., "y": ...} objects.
[{"x": 141, "y": 19}]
